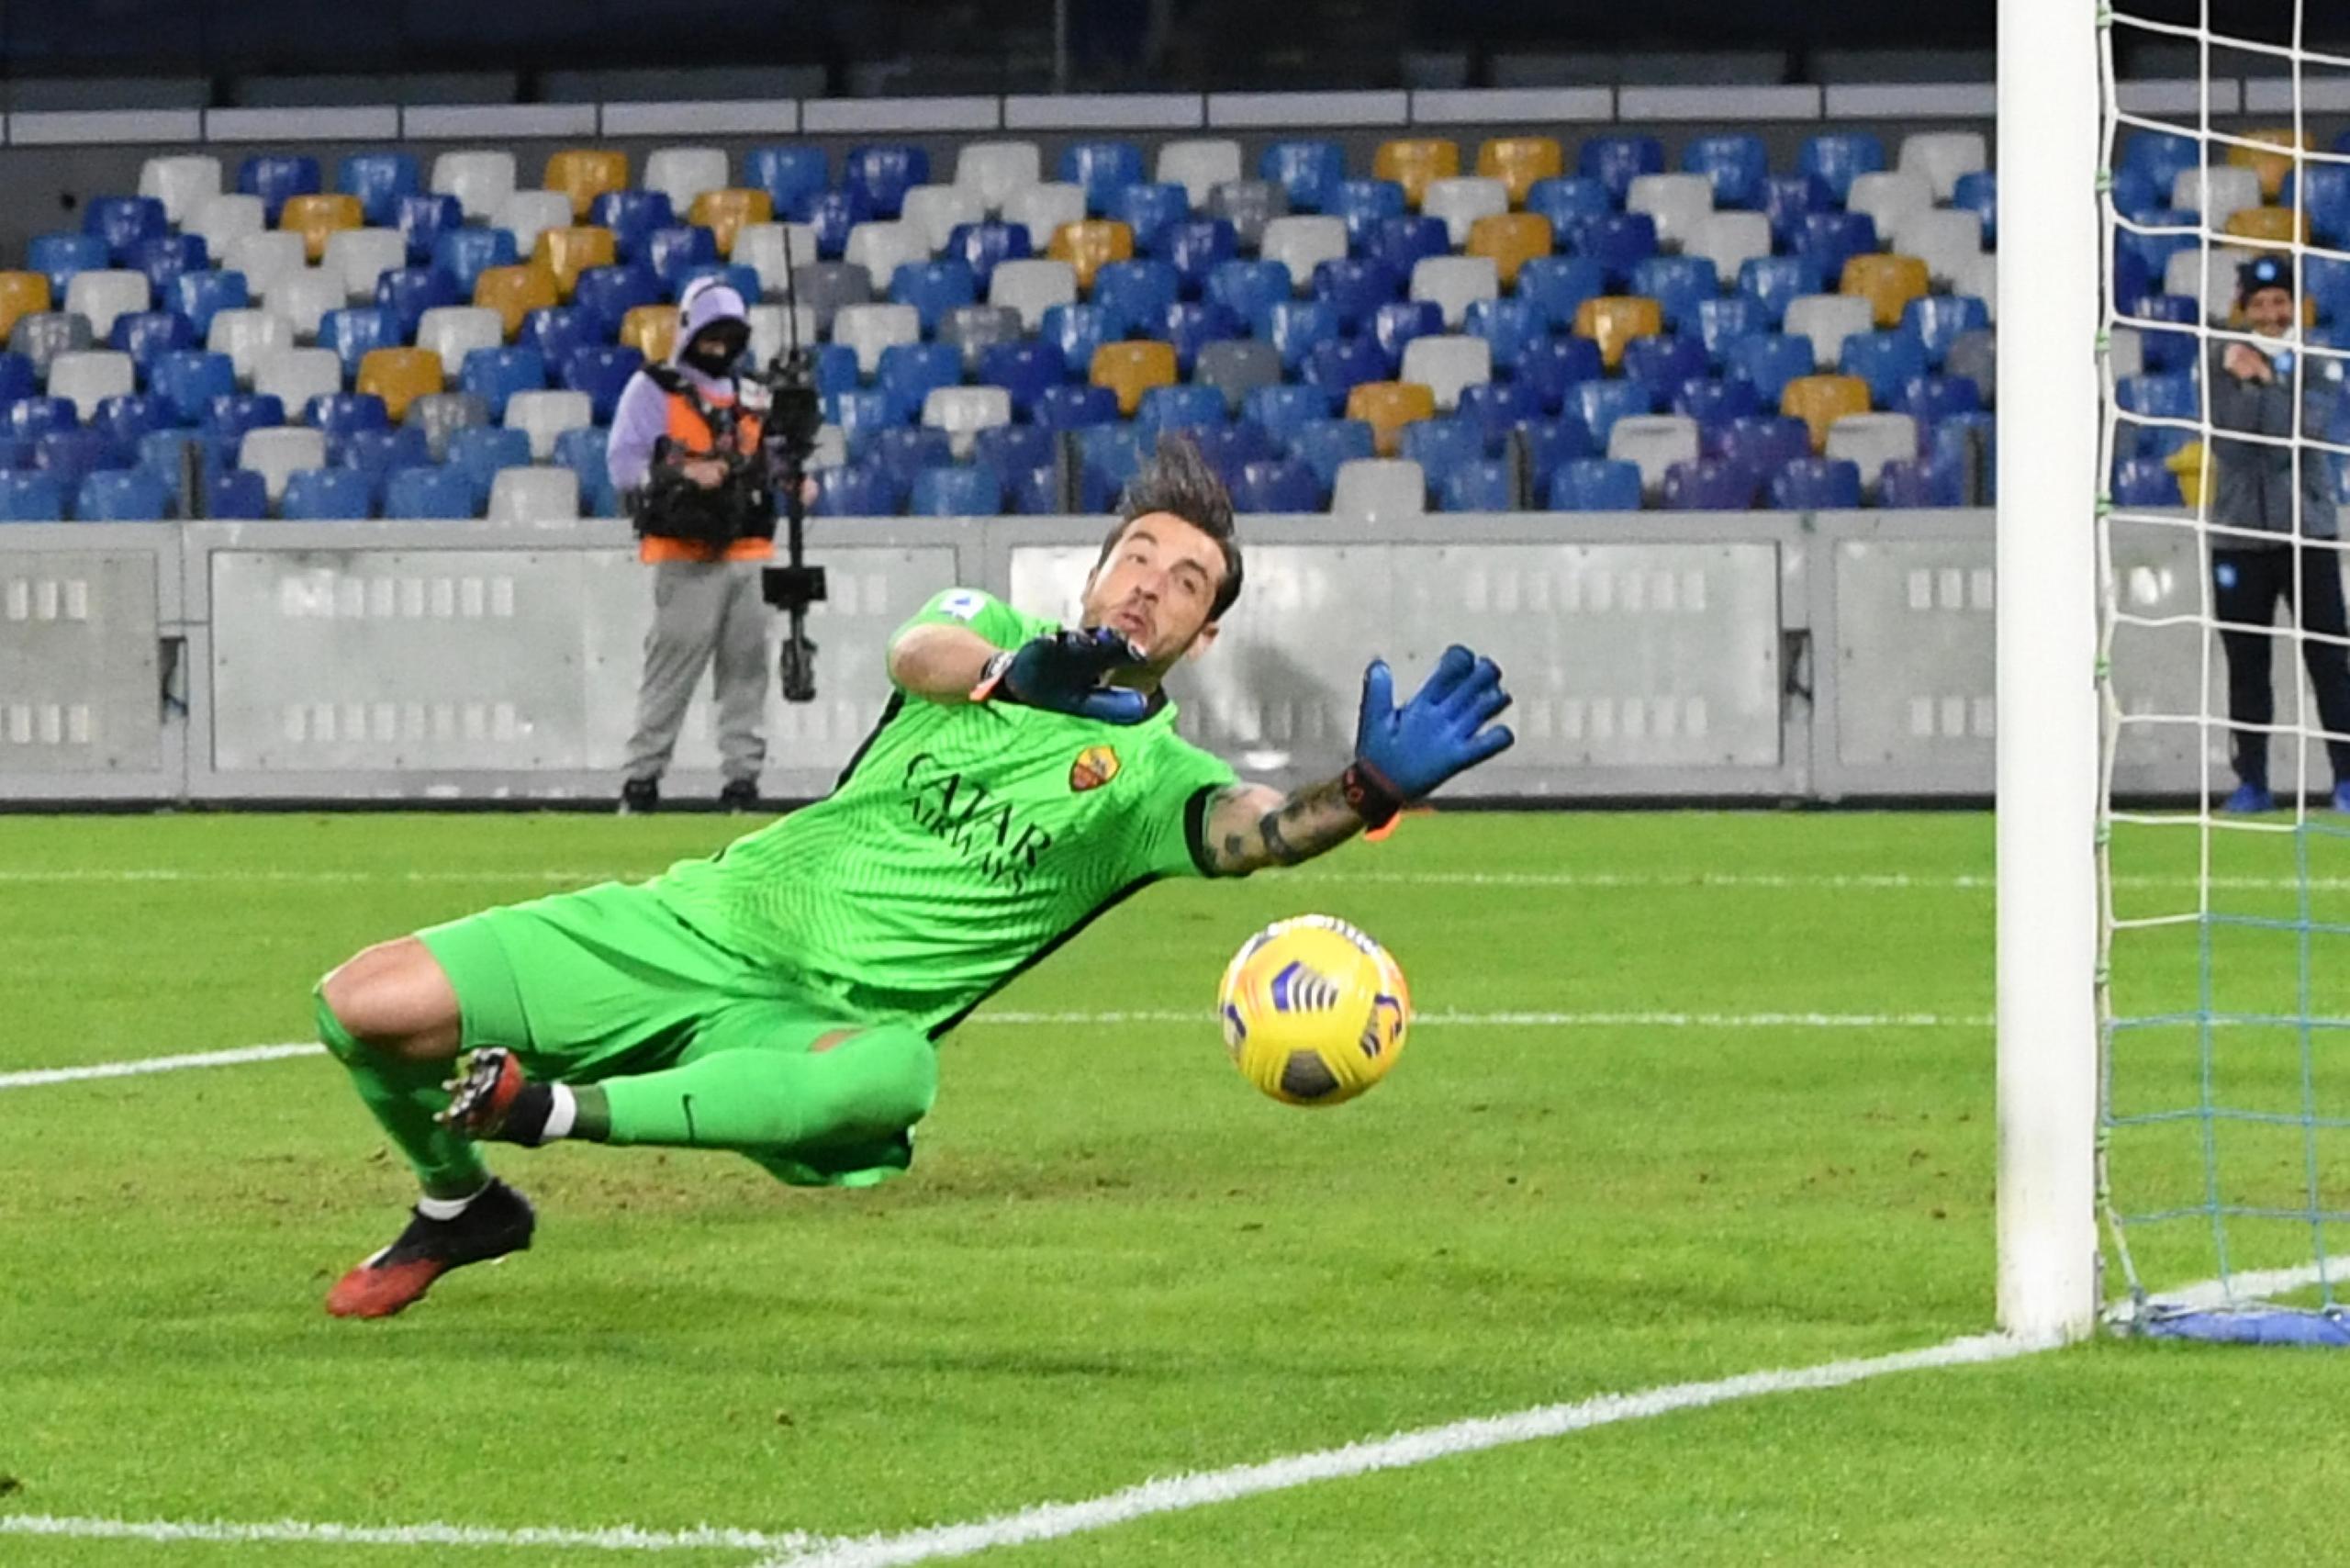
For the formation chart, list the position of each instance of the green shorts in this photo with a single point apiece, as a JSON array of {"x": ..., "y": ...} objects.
[{"x": 608, "y": 982}]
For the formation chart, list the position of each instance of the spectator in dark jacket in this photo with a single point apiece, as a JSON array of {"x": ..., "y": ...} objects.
[{"x": 2275, "y": 535}]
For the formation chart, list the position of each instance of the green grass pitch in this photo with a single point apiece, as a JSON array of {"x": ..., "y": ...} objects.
[{"x": 1593, "y": 1171}]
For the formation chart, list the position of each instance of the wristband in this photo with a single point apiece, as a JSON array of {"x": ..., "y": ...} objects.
[
  {"x": 1371, "y": 797},
  {"x": 991, "y": 675}
]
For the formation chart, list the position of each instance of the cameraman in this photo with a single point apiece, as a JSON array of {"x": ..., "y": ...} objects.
[
  {"x": 684, "y": 454},
  {"x": 2260, "y": 390}
]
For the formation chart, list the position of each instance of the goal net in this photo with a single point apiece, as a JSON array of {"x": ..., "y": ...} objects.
[{"x": 2222, "y": 1164}]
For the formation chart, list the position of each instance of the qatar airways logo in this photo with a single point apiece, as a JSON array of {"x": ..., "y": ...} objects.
[{"x": 951, "y": 805}]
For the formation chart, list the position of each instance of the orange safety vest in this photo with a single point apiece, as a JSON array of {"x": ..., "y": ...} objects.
[{"x": 690, "y": 434}]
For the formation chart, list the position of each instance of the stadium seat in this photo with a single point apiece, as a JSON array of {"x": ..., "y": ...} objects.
[
  {"x": 266, "y": 258},
  {"x": 39, "y": 339},
  {"x": 1180, "y": 407},
  {"x": 359, "y": 258},
  {"x": 400, "y": 376},
  {"x": 432, "y": 493},
  {"x": 126, "y": 417},
  {"x": 1485, "y": 484},
  {"x": 1600, "y": 404},
  {"x": 1378, "y": 489},
  {"x": 771, "y": 250},
  {"x": 1870, "y": 441},
  {"x": 1886, "y": 360},
  {"x": 22, "y": 293},
  {"x": 1364, "y": 206},
  {"x": 1130, "y": 369},
  {"x": 1517, "y": 161},
  {"x": 1559, "y": 285},
  {"x": 1937, "y": 320},
  {"x": 1679, "y": 285},
  {"x": 1462, "y": 200},
  {"x": 1386, "y": 406},
  {"x": 1191, "y": 325},
  {"x": 325, "y": 495},
  {"x": 480, "y": 180},
  {"x": 466, "y": 254},
  {"x": 1617, "y": 161},
  {"x": 1832, "y": 239},
  {"x": 440, "y": 416},
  {"x": 1341, "y": 364},
  {"x": 378, "y": 181},
  {"x": 61, "y": 255},
  {"x": 1281, "y": 411},
  {"x": 1276, "y": 484},
  {"x": 1414, "y": 162},
  {"x": 882, "y": 247},
  {"x": 1613, "y": 320},
  {"x": 936, "y": 211},
  {"x": 277, "y": 453},
  {"x": 304, "y": 299},
  {"x": 1510, "y": 241},
  {"x": 1735, "y": 165},
  {"x": 478, "y": 451},
  {"x": 27, "y": 496},
  {"x": 1137, "y": 292},
  {"x": 221, "y": 219},
  {"x": 180, "y": 182},
  {"x": 601, "y": 371},
  {"x": 453, "y": 331},
  {"x": 955, "y": 492},
  {"x": 607, "y": 294},
  {"x": 1730, "y": 240},
  {"x": 295, "y": 375},
  {"x": 1146, "y": 209},
  {"x": 1355, "y": 289},
  {"x": 100, "y": 295},
  {"x": 1776, "y": 282},
  {"x": 996, "y": 171},
  {"x": 122, "y": 495},
  {"x": 2277, "y": 225},
  {"x": 1653, "y": 443},
  {"x": 1765, "y": 444},
  {"x": 1888, "y": 197},
  {"x": 682, "y": 173},
  {"x": 1496, "y": 408},
  {"x": 123, "y": 222},
  {"x": 1549, "y": 446},
  {"x": 582, "y": 174},
  {"x": 1618, "y": 241},
  {"x": 1570, "y": 203},
  {"x": 854, "y": 490},
  {"x": 1593, "y": 484},
  {"x": 983, "y": 246},
  {"x": 1837, "y": 159},
  {"x": 1195, "y": 248},
  {"x": 1445, "y": 365},
  {"x": 1088, "y": 247},
  {"x": 1296, "y": 327},
  {"x": 1322, "y": 444},
  {"x": 566, "y": 254},
  {"x": 1043, "y": 209},
  {"x": 1677, "y": 204},
  {"x": 1307, "y": 171},
  {"x": 316, "y": 218},
  {"x": 870, "y": 328},
  {"x": 352, "y": 332},
  {"x": 544, "y": 415},
  {"x": 2146, "y": 482},
  {"x": 1440, "y": 445},
  {"x": 1198, "y": 165},
  {"x": 1401, "y": 243},
  {"x": 276, "y": 178},
  {"x": 524, "y": 496},
  {"x": 1101, "y": 169},
  {"x": 246, "y": 336},
  {"x": 1943, "y": 158},
  {"x": 1888, "y": 283},
  {"x": 1663, "y": 362},
  {"x": 790, "y": 174},
  {"x": 1303, "y": 244},
  {"x": 1396, "y": 323},
  {"x": 409, "y": 292},
  {"x": 190, "y": 379},
  {"x": 1820, "y": 400},
  {"x": 235, "y": 495},
  {"x": 1248, "y": 288},
  {"x": 496, "y": 373},
  {"x": 882, "y": 174},
  {"x": 86, "y": 375},
  {"x": 1920, "y": 482},
  {"x": 1714, "y": 404},
  {"x": 1709, "y": 484},
  {"x": 1817, "y": 484},
  {"x": 1247, "y": 206},
  {"x": 1828, "y": 320},
  {"x": 29, "y": 418},
  {"x": 1010, "y": 449},
  {"x": 2271, "y": 158},
  {"x": 339, "y": 413}
]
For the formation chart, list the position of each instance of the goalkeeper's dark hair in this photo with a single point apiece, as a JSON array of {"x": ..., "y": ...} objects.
[{"x": 1178, "y": 480}]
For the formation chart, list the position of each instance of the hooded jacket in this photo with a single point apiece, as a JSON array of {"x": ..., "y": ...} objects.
[
  {"x": 2255, "y": 479},
  {"x": 646, "y": 413}
]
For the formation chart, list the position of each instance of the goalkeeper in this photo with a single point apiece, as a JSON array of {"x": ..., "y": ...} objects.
[{"x": 782, "y": 998}]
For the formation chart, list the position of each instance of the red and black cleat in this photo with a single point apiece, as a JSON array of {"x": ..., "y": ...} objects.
[
  {"x": 480, "y": 1101},
  {"x": 499, "y": 1221}
]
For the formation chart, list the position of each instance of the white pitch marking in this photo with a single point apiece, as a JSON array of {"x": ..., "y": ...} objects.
[
  {"x": 1049, "y": 1521},
  {"x": 237, "y": 1057},
  {"x": 617, "y": 1538},
  {"x": 2247, "y": 1285}
]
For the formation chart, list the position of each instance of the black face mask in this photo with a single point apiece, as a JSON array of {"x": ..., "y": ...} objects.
[{"x": 711, "y": 359}]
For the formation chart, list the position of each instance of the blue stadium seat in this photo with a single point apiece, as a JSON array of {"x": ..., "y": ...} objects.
[
  {"x": 1619, "y": 241},
  {"x": 1279, "y": 411},
  {"x": 1355, "y": 288},
  {"x": 1195, "y": 247},
  {"x": 1663, "y": 362},
  {"x": 836, "y": 368},
  {"x": 740, "y": 276},
  {"x": 235, "y": 495},
  {"x": 1013, "y": 450},
  {"x": 883, "y": 172},
  {"x": 1776, "y": 282},
  {"x": 1191, "y": 325},
  {"x": 466, "y": 253},
  {"x": 496, "y": 374},
  {"x": 377, "y": 453},
  {"x": 634, "y": 216},
  {"x": 354, "y": 332},
  {"x": 1496, "y": 408},
  {"x": 1549, "y": 367},
  {"x": 1398, "y": 243},
  {"x": 2131, "y": 280},
  {"x": 1713, "y": 402},
  {"x": 555, "y": 332},
  {"x": 1076, "y": 407},
  {"x": 1837, "y": 157},
  {"x": 161, "y": 453},
  {"x": 1179, "y": 408},
  {"x": 1365, "y": 205},
  {"x": 1322, "y": 444},
  {"x": 1440, "y": 445},
  {"x": 1308, "y": 170},
  {"x": 1963, "y": 441},
  {"x": 1569, "y": 202},
  {"x": 1886, "y": 360},
  {"x": 583, "y": 452},
  {"x": 1485, "y": 484},
  {"x": 1550, "y": 446},
  {"x": 1343, "y": 363},
  {"x": 64, "y": 254},
  {"x": 1595, "y": 484},
  {"x": 1104, "y": 169},
  {"x": 1513, "y": 327},
  {"x": 17, "y": 378},
  {"x": 422, "y": 217},
  {"x": 833, "y": 214},
  {"x": 1817, "y": 484},
  {"x": 144, "y": 334},
  {"x": 983, "y": 246},
  {"x": 1978, "y": 193},
  {"x": 122, "y": 495},
  {"x": 788, "y": 173},
  {"x": 1766, "y": 442},
  {"x": 165, "y": 257},
  {"x": 1147, "y": 207},
  {"x": 190, "y": 379},
  {"x": 199, "y": 296},
  {"x": 275, "y": 176},
  {"x": 1735, "y": 164},
  {"x": 72, "y": 453},
  {"x": 2152, "y": 251},
  {"x": 478, "y": 451},
  {"x": 862, "y": 414},
  {"x": 1137, "y": 291},
  {"x": 609, "y": 294},
  {"x": 1788, "y": 200},
  {"x": 2165, "y": 350},
  {"x": 1920, "y": 482},
  {"x": 1250, "y": 289},
  {"x": 378, "y": 180},
  {"x": 1278, "y": 485},
  {"x": 27, "y": 497},
  {"x": 2160, "y": 155},
  {"x": 228, "y": 416},
  {"x": 956, "y": 492},
  {"x": 126, "y": 418},
  {"x": 339, "y": 413},
  {"x": 1228, "y": 449},
  {"x": 1679, "y": 283},
  {"x": 1036, "y": 492},
  {"x": 1722, "y": 322},
  {"x": 933, "y": 288},
  {"x": 2146, "y": 482},
  {"x": 32, "y": 417},
  {"x": 407, "y": 293},
  {"x": 669, "y": 251},
  {"x": 1560, "y": 285},
  {"x": 1832, "y": 239},
  {"x": 910, "y": 371},
  {"x": 123, "y": 221},
  {"x": 326, "y": 495},
  {"x": 1024, "y": 369},
  {"x": 1076, "y": 331},
  {"x": 2325, "y": 282},
  {"x": 1616, "y": 160},
  {"x": 1113, "y": 452},
  {"x": 1930, "y": 398},
  {"x": 1398, "y": 321},
  {"x": 1937, "y": 320},
  {"x": 1710, "y": 484},
  {"x": 904, "y": 450},
  {"x": 1599, "y": 404},
  {"x": 2172, "y": 396},
  {"x": 1298, "y": 327},
  {"x": 429, "y": 492}
]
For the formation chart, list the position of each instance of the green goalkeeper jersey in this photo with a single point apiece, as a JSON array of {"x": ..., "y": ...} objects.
[{"x": 964, "y": 842}]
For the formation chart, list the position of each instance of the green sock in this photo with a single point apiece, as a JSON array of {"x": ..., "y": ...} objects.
[
  {"x": 404, "y": 1097},
  {"x": 873, "y": 1085}
]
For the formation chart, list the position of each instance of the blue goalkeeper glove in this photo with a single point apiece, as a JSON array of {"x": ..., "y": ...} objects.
[
  {"x": 1063, "y": 672},
  {"x": 1403, "y": 753}
]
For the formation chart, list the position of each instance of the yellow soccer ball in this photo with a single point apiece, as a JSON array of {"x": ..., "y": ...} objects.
[{"x": 1314, "y": 1010}]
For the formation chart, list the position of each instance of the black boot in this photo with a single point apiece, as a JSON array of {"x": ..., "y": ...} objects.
[{"x": 639, "y": 796}]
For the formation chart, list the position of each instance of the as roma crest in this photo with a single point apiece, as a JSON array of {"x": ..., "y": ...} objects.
[{"x": 1094, "y": 766}]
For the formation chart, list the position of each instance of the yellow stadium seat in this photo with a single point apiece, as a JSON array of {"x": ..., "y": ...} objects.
[
  {"x": 564, "y": 253},
  {"x": 21, "y": 294},
  {"x": 1086, "y": 246},
  {"x": 1512, "y": 239},
  {"x": 1820, "y": 400},
  {"x": 1614, "y": 319},
  {"x": 1387, "y": 407},
  {"x": 1412, "y": 163},
  {"x": 1888, "y": 283},
  {"x": 2272, "y": 167},
  {"x": 514, "y": 292},
  {"x": 400, "y": 376},
  {"x": 1518, "y": 161},
  {"x": 651, "y": 331},
  {"x": 723, "y": 213},
  {"x": 316, "y": 217},
  {"x": 582, "y": 174},
  {"x": 1132, "y": 369},
  {"x": 2282, "y": 224}
]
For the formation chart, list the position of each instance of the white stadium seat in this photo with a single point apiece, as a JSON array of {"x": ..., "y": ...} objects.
[
  {"x": 934, "y": 210},
  {"x": 294, "y": 376},
  {"x": 482, "y": 179},
  {"x": 304, "y": 297},
  {"x": 528, "y": 214},
  {"x": 1199, "y": 166},
  {"x": 533, "y": 495},
  {"x": 359, "y": 256},
  {"x": 1302, "y": 243},
  {"x": 1446, "y": 365},
  {"x": 1887, "y": 198},
  {"x": 1730, "y": 240},
  {"x": 1462, "y": 200},
  {"x": 542, "y": 416},
  {"x": 1828, "y": 320},
  {"x": 1374, "y": 489},
  {"x": 1032, "y": 287},
  {"x": 768, "y": 337},
  {"x": 280, "y": 449},
  {"x": 181, "y": 183},
  {"x": 996, "y": 170},
  {"x": 2217, "y": 191},
  {"x": 1044, "y": 209},
  {"x": 1454, "y": 282},
  {"x": 265, "y": 258},
  {"x": 103, "y": 294},
  {"x": 1942, "y": 156},
  {"x": 870, "y": 328},
  {"x": 2183, "y": 274},
  {"x": 964, "y": 411},
  {"x": 682, "y": 173},
  {"x": 221, "y": 219},
  {"x": 245, "y": 335},
  {"x": 761, "y": 246},
  {"x": 88, "y": 375},
  {"x": 1655, "y": 442},
  {"x": 1678, "y": 205},
  {"x": 1944, "y": 238},
  {"x": 1871, "y": 441},
  {"x": 453, "y": 332},
  {"x": 882, "y": 247}
]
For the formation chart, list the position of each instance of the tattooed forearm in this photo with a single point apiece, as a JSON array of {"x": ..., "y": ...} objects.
[{"x": 1255, "y": 828}]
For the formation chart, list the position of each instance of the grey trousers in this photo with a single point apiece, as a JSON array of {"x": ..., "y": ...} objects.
[{"x": 701, "y": 609}]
